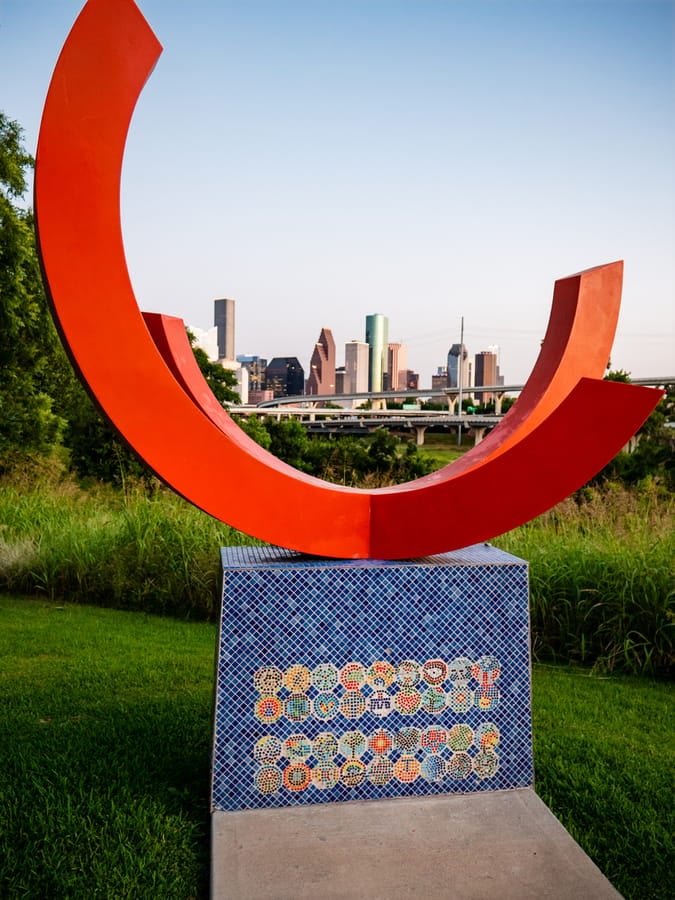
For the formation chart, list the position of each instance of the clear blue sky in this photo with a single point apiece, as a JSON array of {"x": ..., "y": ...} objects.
[{"x": 319, "y": 161}]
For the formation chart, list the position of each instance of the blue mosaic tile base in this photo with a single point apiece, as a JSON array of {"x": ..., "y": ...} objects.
[{"x": 364, "y": 679}]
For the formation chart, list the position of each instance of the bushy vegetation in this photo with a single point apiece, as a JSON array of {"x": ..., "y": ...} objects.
[
  {"x": 374, "y": 461},
  {"x": 601, "y": 564},
  {"x": 602, "y": 587},
  {"x": 128, "y": 550}
]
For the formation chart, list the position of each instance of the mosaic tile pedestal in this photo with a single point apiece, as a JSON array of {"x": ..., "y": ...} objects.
[{"x": 399, "y": 683}]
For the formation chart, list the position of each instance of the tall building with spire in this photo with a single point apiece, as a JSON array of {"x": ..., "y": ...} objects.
[
  {"x": 321, "y": 378},
  {"x": 459, "y": 365}
]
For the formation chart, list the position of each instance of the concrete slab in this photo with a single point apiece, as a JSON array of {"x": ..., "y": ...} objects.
[{"x": 506, "y": 845}]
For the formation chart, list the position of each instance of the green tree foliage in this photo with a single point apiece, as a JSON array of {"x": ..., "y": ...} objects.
[
  {"x": 254, "y": 428},
  {"x": 653, "y": 456},
  {"x": 618, "y": 375},
  {"x": 289, "y": 441},
  {"x": 97, "y": 450},
  {"x": 371, "y": 461},
  {"x": 29, "y": 348}
]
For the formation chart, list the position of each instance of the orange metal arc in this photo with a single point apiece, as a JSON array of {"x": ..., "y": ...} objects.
[
  {"x": 528, "y": 478},
  {"x": 170, "y": 338},
  {"x": 143, "y": 375}
]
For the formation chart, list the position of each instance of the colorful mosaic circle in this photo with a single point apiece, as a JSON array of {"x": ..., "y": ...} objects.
[
  {"x": 352, "y": 772},
  {"x": 485, "y": 764},
  {"x": 353, "y": 744},
  {"x": 416, "y": 689},
  {"x": 459, "y": 670},
  {"x": 297, "y": 747},
  {"x": 325, "y": 776},
  {"x": 267, "y": 680},
  {"x": 268, "y": 749},
  {"x": 432, "y": 768},
  {"x": 408, "y": 673},
  {"x": 325, "y": 746},
  {"x": 325, "y": 677},
  {"x": 460, "y": 737},
  {"x": 352, "y": 676},
  {"x": 486, "y": 669},
  {"x": 459, "y": 698},
  {"x": 268, "y": 709},
  {"x": 326, "y": 706},
  {"x": 352, "y": 704},
  {"x": 380, "y": 770},
  {"x": 297, "y": 707},
  {"x": 297, "y": 679},
  {"x": 380, "y": 675},
  {"x": 407, "y": 739},
  {"x": 459, "y": 765},
  {"x": 487, "y": 736},
  {"x": 268, "y": 779},
  {"x": 407, "y": 769},
  {"x": 407, "y": 701},
  {"x": 381, "y": 742},
  {"x": 433, "y": 739},
  {"x": 434, "y": 671},
  {"x": 433, "y": 700},
  {"x": 297, "y": 776},
  {"x": 487, "y": 697},
  {"x": 380, "y": 703}
]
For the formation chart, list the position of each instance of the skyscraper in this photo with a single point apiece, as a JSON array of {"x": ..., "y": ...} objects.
[
  {"x": 454, "y": 354},
  {"x": 356, "y": 367},
  {"x": 397, "y": 367},
  {"x": 224, "y": 322},
  {"x": 485, "y": 373},
  {"x": 285, "y": 376},
  {"x": 377, "y": 338},
  {"x": 439, "y": 381},
  {"x": 321, "y": 378},
  {"x": 256, "y": 367}
]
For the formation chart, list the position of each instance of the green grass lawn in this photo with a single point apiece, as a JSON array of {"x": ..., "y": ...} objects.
[
  {"x": 105, "y": 728},
  {"x": 442, "y": 448}
]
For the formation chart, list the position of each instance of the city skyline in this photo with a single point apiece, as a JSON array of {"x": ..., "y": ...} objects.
[
  {"x": 363, "y": 361},
  {"x": 434, "y": 161}
]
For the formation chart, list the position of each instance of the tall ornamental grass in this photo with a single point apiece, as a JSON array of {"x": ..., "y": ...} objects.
[
  {"x": 602, "y": 581},
  {"x": 601, "y": 563},
  {"x": 126, "y": 550}
]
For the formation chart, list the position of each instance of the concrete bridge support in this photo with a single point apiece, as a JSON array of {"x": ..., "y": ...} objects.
[{"x": 419, "y": 434}]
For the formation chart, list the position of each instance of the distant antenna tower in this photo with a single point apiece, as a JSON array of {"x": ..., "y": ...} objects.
[{"x": 460, "y": 366}]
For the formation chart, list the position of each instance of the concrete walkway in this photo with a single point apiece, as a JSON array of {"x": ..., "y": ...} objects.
[{"x": 504, "y": 845}]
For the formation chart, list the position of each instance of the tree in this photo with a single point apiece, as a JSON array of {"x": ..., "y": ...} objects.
[
  {"x": 98, "y": 451},
  {"x": 653, "y": 456},
  {"x": 289, "y": 442},
  {"x": 377, "y": 460},
  {"x": 253, "y": 426},
  {"x": 30, "y": 351}
]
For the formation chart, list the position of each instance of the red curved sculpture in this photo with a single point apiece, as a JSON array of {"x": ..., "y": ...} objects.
[{"x": 147, "y": 384}]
